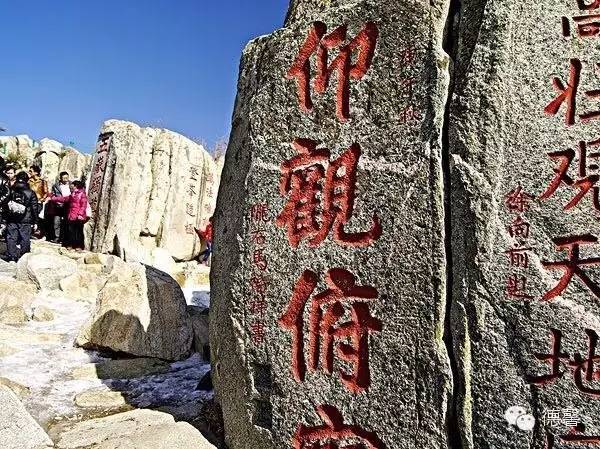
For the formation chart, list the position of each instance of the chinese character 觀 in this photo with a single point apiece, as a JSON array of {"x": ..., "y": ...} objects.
[{"x": 321, "y": 196}]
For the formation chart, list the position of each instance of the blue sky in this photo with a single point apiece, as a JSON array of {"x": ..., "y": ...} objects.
[{"x": 68, "y": 65}]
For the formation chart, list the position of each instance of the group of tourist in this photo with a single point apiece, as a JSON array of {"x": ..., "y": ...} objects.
[{"x": 28, "y": 208}]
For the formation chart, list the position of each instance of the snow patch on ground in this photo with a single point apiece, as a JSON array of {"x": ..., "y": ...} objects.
[{"x": 46, "y": 368}]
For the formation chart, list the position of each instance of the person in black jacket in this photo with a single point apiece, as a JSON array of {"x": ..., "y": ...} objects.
[
  {"x": 21, "y": 216},
  {"x": 4, "y": 187}
]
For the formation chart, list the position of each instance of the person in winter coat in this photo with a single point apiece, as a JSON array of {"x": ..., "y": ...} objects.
[
  {"x": 56, "y": 213},
  {"x": 207, "y": 236},
  {"x": 21, "y": 213},
  {"x": 4, "y": 187},
  {"x": 77, "y": 204}
]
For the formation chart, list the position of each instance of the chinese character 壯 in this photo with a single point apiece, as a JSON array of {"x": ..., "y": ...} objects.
[
  {"x": 516, "y": 287},
  {"x": 321, "y": 196},
  {"x": 343, "y": 66},
  {"x": 572, "y": 266},
  {"x": 517, "y": 200},
  {"x": 334, "y": 433},
  {"x": 568, "y": 94},
  {"x": 351, "y": 338},
  {"x": 583, "y": 368},
  {"x": 584, "y": 183}
]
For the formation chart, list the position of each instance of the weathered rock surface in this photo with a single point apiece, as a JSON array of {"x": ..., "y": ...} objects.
[
  {"x": 76, "y": 164},
  {"x": 133, "y": 430},
  {"x": 393, "y": 133},
  {"x": 45, "y": 270},
  {"x": 16, "y": 293},
  {"x": 200, "y": 324},
  {"x": 17, "y": 147},
  {"x": 121, "y": 369},
  {"x": 17, "y": 388},
  {"x": 82, "y": 285},
  {"x": 13, "y": 315},
  {"x": 153, "y": 189},
  {"x": 42, "y": 313},
  {"x": 47, "y": 156},
  {"x": 15, "y": 335},
  {"x": 100, "y": 399},
  {"x": 18, "y": 430},
  {"x": 505, "y": 134},
  {"x": 139, "y": 311}
]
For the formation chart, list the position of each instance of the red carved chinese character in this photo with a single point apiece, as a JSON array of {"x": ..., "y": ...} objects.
[
  {"x": 259, "y": 284},
  {"x": 519, "y": 228},
  {"x": 517, "y": 200},
  {"x": 325, "y": 310},
  {"x": 585, "y": 183},
  {"x": 258, "y": 237},
  {"x": 587, "y": 5},
  {"x": 554, "y": 359},
  {"x": 568, "y": 94},
  {"x": 518, "y": 257},
  {"x": 516, "y": 287},
  {"x": 320, "y": 44},
  {"x": 258, "y": 305},
  {"x": 257, "y": 332},
  {"x": 583, "y": 369},
  {"x": 259, "y": 259},
  {"x": 260, "y": 212},
  {"x": 334, "y": 433},
  {"x": 321, "y": 196},
  {"x": 587, "y": 26},
  {"x": 410, "y": 114},
  {"x": 572, "y": 266},
  {"x": 573, "y": 437}
]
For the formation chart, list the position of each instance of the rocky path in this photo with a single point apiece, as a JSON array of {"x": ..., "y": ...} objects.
[{"x": 60, "y": 384}]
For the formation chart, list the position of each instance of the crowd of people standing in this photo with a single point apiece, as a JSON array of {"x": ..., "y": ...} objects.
[{"x": 29, "y": 209}]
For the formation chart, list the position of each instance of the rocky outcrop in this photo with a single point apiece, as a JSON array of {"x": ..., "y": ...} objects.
[
  {"x": 135, "y": 429},
  {"x": 18, "y": 430},
  {"x": 149, "y": 188},
  {"x": 45, "y": 270},
  {"x": 76, "y": 164},
  {"x": 139, "y": 311},
  {"x": 47, "y": 156},
  {"x": 18, "y": 148}
]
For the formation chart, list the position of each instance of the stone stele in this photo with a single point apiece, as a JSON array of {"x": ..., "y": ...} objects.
[
  {"x": 523, "y": 134},
  {"x": 153, "y": 187},
  {"x": 359, "y": 153}
]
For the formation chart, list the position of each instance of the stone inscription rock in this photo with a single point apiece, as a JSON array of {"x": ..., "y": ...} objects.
[
  {"x": 328, "y": 281},
  {"x": 149, "y": 188},
  {"x": 524, "y": 136}
]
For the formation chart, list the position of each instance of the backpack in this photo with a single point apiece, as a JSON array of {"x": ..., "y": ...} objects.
[{"x": 16, "y": 204}]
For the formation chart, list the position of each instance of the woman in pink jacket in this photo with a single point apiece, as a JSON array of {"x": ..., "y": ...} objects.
[{"x": 77, "y": 204}]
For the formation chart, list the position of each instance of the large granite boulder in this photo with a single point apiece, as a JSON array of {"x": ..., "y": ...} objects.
[
  {"x": 523, "y": 134},
  {"x": 332, "y": 195},
  {"x": 45, "y": 270},
  {"x": 139, "y": 311},
  {"x": 47, "y": 156},
  {"x": 136, "y": 429},
  {"x": 18, "y": 430},
  {"x": 17, "y": 148},
  {"x": 76, "y": 164},
  {"x": 149, "y": 188}
]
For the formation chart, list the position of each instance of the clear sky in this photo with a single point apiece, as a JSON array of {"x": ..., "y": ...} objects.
[{"x": 68, "y": 65}]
